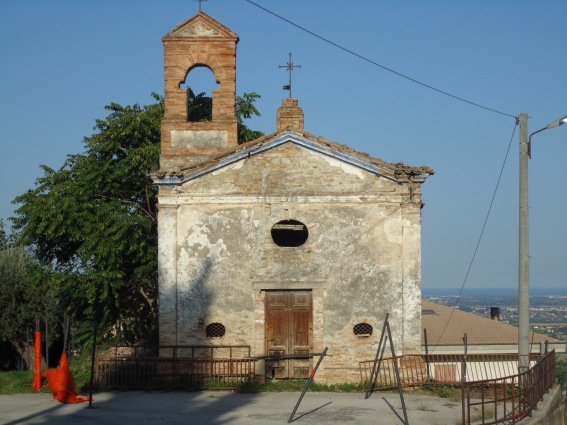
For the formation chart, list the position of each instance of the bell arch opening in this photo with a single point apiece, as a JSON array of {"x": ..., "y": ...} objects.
[{"x": 199, "y": 84}]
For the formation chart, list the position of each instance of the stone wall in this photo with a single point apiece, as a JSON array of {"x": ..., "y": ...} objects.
[
  {"x": 550, "y": 411},
  {"x": 361, "y": 259}
]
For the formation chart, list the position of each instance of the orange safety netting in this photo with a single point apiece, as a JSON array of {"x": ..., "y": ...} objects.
[
  {"x": 36, "y": 384},
  {"x": 62, "y": 384}
]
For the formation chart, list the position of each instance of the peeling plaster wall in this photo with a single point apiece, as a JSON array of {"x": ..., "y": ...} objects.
[
  {"x": 167, "y": 268},
  {"x": 362, "y": 258}
]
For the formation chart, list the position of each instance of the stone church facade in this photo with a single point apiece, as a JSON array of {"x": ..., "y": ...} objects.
[{"x": 286, "y": 244}]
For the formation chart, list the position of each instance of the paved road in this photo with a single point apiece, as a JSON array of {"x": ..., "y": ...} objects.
[{"x": 139, "y": 408}]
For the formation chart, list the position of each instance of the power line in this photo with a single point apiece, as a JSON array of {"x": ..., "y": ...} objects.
[
  {"x": 399, "y": 74},
  {"x": 482, "y": 230},
  {"x": 439, "y": 91}
]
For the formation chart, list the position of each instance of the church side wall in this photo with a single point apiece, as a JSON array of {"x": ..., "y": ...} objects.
[
  {"x": 167, "y": 272},
  {"x": 411, "y": 269}
]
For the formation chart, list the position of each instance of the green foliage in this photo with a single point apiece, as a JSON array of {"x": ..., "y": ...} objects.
[
  {"x": 93, "y": 222},
  {"x": 20, "y": 382},
  {"x": 199, "y": 107},
  {"x": 17, "y": 382},
  {"x": 24, "y": 296},
  {"x": 19, "y": 300},
  {"x": 245, "y": 109},
  {"x": 80, "y": 367},
  {"x": 451, "y": 392},
  {"x": 561, "y": 371},
  {"x": 5, "y": 239},
  {"x": 298, "y": 385},
  {"x": 477, "y": 415},
  {"x": 3, "y": 236}
]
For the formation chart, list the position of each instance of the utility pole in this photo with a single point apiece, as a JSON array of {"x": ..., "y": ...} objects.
[
  {"x": 523, "y": 272},
  {"x": 524, "y": 257}
]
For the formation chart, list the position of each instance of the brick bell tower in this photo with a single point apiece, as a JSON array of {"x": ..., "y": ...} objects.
[{"x": 199, "y": 42}]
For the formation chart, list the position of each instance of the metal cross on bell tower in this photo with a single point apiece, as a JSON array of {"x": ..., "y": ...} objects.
[{"x": 289, "y": 66}]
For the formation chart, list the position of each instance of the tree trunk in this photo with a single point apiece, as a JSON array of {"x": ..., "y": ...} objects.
[{"x": 27, "y": 353}]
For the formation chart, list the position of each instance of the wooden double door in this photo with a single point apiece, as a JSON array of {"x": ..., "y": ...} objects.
[{"x": 289, "y": 330}]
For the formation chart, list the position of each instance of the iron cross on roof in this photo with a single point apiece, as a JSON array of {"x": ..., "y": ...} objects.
[{"x": 289, "y": 66}]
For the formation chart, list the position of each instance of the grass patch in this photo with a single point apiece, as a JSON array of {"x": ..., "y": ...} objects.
[
  {"x": 17, "y": 382},
  {"x": 450, "y": 392},
  {"x": 561, "y": 367},
  {"x": 477, "y": 415},
  {"x": 298, "y": 385},
  {"x": 20, "y": 381}
]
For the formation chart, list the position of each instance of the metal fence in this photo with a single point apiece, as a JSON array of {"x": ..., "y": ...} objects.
[
  {"x": 413, "y": 372},
  {"x": 176, "y": 367},
  {"x": 508, "y": 399},
  {"x": 417, "y": 370},
  {"x": 492, "y": 390}
]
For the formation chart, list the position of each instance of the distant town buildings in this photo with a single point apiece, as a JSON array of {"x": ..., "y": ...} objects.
[{"x": 548, "y": 313}]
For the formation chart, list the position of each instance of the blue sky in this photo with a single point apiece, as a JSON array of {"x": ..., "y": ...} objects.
[{"x": 61, "y": 62}]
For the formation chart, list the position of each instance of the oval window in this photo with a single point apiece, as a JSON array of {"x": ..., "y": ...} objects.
[
  {"x": 289, "y": 233},
  {"x": 215, "y": 330},
  {"x": 363, "y": 329}
]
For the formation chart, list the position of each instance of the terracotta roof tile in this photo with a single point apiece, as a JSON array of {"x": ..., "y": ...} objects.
[
  {"x": 399, "y": 169},
  {"x": 447, "y": 326}
]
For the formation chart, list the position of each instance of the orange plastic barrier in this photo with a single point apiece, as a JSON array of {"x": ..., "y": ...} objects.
[
  {"x": 62, "y": 384},
  {"x": 36, "y": 384}
]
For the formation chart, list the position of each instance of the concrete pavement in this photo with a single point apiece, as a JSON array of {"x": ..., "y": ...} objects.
[{"x": 172, "y": 408}]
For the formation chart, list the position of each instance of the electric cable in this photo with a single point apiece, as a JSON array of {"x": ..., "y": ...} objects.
[
  {"x": 481, "y": 232},
  {"x": 399, "y": 74}
]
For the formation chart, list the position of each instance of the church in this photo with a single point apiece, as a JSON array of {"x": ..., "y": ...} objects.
[{"x": 283, "y": 245}]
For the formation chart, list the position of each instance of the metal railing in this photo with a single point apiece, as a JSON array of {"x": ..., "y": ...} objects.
[
  {"x": 508, "y": 399},
  {"x": 412, "y": 371},
  {"x": 176, "y": 367},
  {"x": 492, "y": 392},
  {"x": 417, "y": 370}
]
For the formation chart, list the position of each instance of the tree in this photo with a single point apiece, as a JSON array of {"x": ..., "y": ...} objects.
[
  {"x": 23, "y": 297},
  {"x": 94, "y": 222},
  {"x": 199, "y": 107},
  {"x": 16, "y": 299},
  {"x": 244, "y": 110},
  {"x": 3, "y": 236}
]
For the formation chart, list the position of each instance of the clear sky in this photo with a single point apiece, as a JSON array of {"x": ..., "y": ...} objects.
[{"x": 61, "y": 62}]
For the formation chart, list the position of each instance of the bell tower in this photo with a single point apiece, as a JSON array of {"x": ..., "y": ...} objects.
[{"x": 199, "y": 42}]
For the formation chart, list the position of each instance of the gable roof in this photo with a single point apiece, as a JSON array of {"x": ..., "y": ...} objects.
[
  {"x": 200, "y": 25},
  {"x": 446, "y": 326},
  {"x": 398, "y": 172}
]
